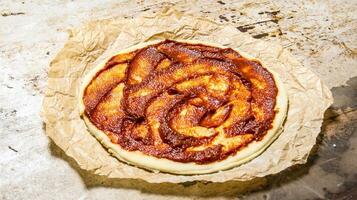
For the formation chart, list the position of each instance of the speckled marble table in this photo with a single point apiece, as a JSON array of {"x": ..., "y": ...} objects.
[{"x": 320, "y": 33}]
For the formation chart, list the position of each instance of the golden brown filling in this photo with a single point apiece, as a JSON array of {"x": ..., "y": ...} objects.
[{"x": 184, "y": 102}]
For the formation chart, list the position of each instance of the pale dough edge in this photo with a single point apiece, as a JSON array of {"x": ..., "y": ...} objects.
[{"x": 161, "y": 164}]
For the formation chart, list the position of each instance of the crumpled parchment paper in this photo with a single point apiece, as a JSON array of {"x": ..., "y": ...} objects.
[{"x": 90, "y": 44}]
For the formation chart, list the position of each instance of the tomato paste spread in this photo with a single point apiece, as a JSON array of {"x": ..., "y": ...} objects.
[{"x": 183, "y": 102}]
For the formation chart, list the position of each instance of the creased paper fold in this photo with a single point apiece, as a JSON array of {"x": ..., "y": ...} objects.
[{"x": 95, "y": 41}]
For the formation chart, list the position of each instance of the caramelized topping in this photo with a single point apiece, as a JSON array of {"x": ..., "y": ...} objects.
[{"x": 183, "y": 102}]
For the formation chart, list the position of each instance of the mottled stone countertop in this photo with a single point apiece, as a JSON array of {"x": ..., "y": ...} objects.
[{"x": 322, "y": 34}]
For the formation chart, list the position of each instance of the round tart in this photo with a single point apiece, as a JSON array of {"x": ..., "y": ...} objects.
[{"x": 183, "y": 107}]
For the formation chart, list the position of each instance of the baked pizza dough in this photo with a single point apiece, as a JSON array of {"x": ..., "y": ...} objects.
[{"x": 183, "y": 107}]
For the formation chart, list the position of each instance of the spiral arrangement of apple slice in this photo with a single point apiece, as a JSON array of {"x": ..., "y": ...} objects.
[{"x": 183, "y": 102}]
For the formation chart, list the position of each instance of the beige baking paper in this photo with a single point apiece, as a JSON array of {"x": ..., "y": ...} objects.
[{"x": 95, "y": 41}]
